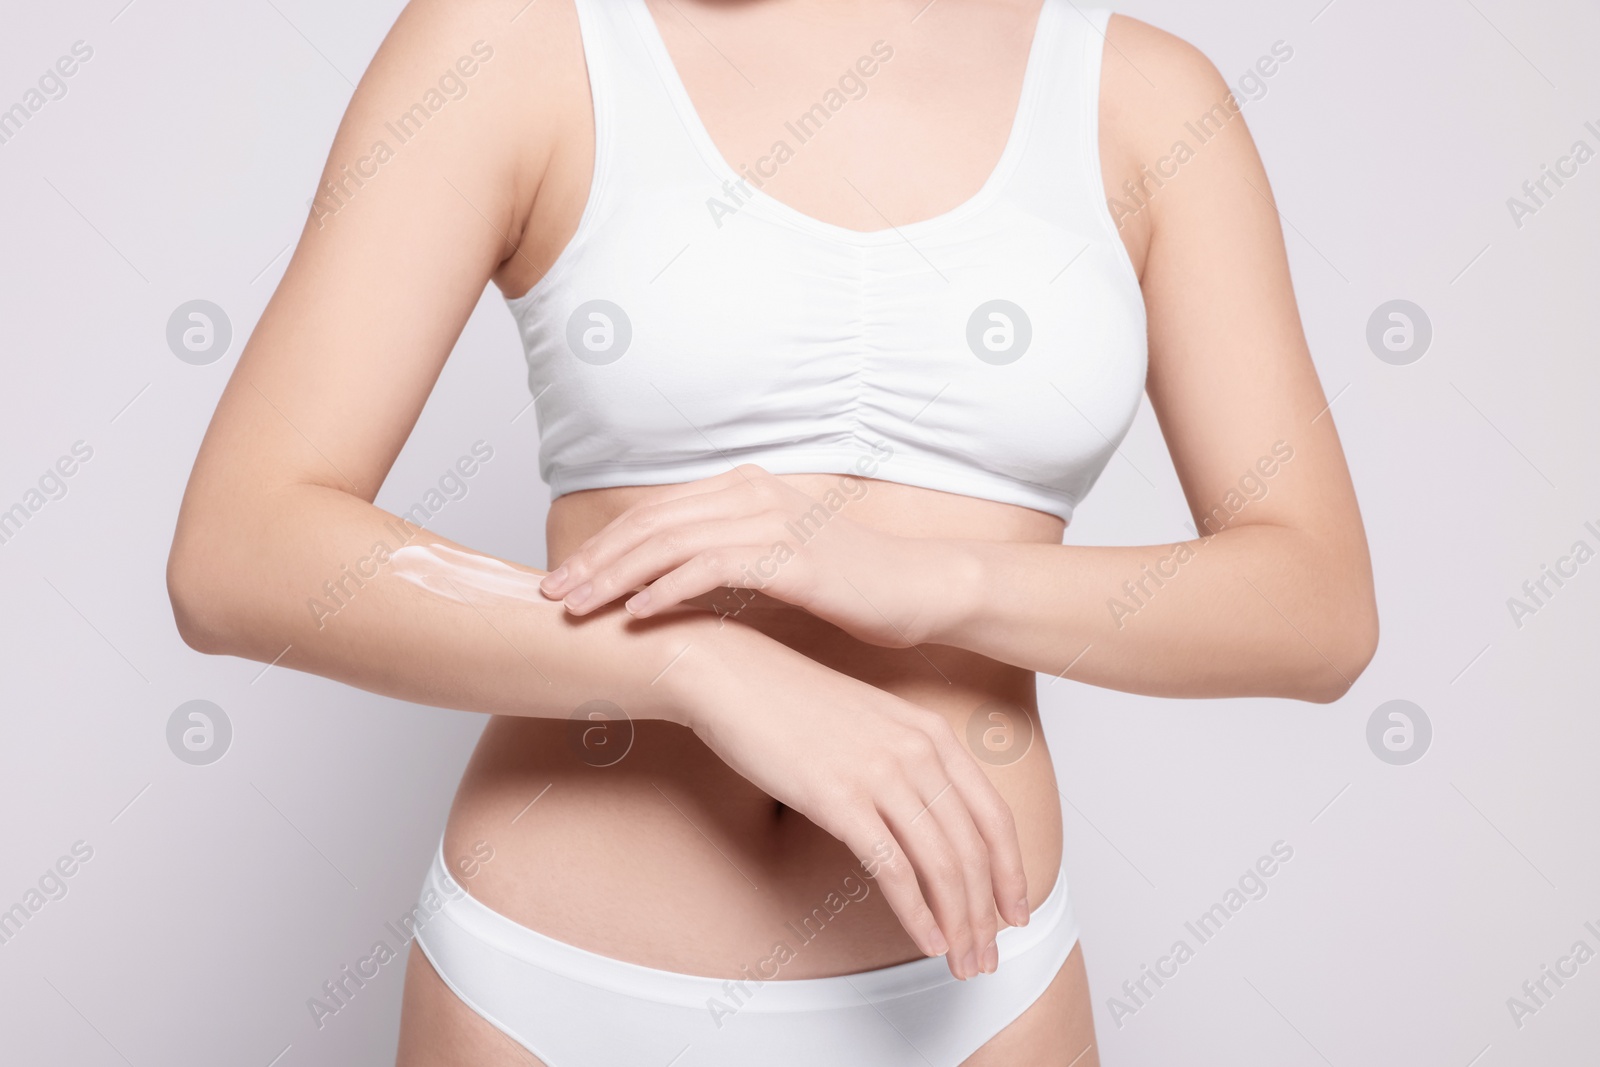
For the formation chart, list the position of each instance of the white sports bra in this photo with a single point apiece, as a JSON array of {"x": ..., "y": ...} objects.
[{"x": 694, "y": 323}]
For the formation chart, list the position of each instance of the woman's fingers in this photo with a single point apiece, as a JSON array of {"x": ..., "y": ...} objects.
[
  {"x": 993, "y": 821},
  {"x": 726, "y": 497},
  {"x": 716, "y": 568},
  {"x": 959, "y": 830},
  {"x": 616, "y": 539},
  {"x": 718, "y": 552},
  {"x": 745, "y": 563},
  {"x": 940, "y": 865},
  {"x": 897, "y": 878},
  {"x": 1008, "y": 886},
  {"x": 663, "y": 526}
]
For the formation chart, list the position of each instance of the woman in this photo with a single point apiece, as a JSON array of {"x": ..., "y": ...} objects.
[{"x": 833, "y": 312}]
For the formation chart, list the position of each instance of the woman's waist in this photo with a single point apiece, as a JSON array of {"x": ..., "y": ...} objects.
[{"x": 631, "y": 839}]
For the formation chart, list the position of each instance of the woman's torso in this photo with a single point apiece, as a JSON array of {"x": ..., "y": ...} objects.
[
  {"x": 636, "y": 842},
  {"x": 666, "y": 857}
]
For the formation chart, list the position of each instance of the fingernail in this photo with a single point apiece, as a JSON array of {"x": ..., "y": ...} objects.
[
  {"x": 1022, "y": 910},
  {"x": 991, "y": 958},
  {"x": 638, "y": 602},
  {"x": 969, "y": 965},
  {"x": 553, "y": 580},
  {"x": 937, "y": 942},
  {"x": 579, "y": 596}
]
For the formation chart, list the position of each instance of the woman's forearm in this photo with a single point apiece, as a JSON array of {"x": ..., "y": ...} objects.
[
  {"x": 318, "y": 580},
  {"x": 1260, "y": 608},
  {"x": 1257, "y": 610}
]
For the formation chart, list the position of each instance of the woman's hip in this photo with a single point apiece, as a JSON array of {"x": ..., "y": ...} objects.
[{"x": 567, "y": 1004}]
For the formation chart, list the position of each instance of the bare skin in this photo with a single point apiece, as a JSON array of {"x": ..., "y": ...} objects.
[{"x": 710, "y": 834}]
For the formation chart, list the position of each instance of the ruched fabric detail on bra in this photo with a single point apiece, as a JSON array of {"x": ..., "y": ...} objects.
[{"x": 996, "y": 350}]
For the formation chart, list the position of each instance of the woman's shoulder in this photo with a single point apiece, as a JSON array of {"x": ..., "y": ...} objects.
[
  {"x": 488, "y": 66},
  {"x": 479, "y": 93},
  {"x": 1152, "y": 77},
  {"x": 1166, "y": 110}
]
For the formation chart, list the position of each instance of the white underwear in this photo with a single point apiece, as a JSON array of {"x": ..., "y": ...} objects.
[{"x": 573, "y": 1008}]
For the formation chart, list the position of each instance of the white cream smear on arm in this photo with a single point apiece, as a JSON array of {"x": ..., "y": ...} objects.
[{"x": 459, "y": 576}]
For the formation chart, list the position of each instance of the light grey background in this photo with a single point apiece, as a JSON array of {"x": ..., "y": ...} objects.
[{"x": 1419, "y": 898}]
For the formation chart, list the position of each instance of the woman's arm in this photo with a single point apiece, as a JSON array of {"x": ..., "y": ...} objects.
[
  {"x": 1272, "y": 596},
  {"x": 280, "y": 555}
]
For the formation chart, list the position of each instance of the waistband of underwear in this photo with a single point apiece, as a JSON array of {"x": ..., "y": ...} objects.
[{"x": 1050, "y": 921}]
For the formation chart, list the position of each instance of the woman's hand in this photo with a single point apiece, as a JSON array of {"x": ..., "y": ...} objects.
[
  {"x": 889, "y": 779},
  {"x": 748, "y": 529}
]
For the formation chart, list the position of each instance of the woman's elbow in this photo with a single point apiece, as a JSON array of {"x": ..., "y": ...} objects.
[
  {"x": 1347, "y": 646},
  {"x": 193, "y": 593}
]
